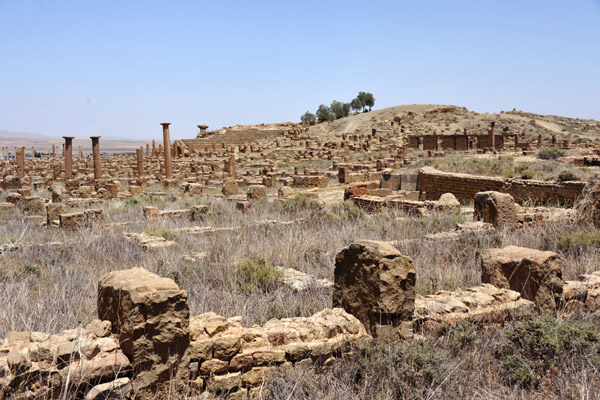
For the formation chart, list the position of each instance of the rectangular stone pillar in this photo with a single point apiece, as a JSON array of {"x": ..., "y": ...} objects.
[
  {"x": 140, "y": 162},
  {"x": 167, "y": 147},
  {"x": 21, "y": 161},
  {"x": 493, "y": 135},
  {"x": 96, "y": 155},
  {"x": 68, "y": 157},
  {"x": 231, "y": 166}
]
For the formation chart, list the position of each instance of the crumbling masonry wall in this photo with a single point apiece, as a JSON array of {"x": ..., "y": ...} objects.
[{"x": 434, "y": 183}]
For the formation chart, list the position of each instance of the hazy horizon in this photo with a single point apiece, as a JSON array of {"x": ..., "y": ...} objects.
[{"x": 119, "y": 69}]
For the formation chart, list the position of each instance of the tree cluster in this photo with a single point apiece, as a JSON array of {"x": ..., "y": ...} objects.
[{"x": 362, "y": 103}]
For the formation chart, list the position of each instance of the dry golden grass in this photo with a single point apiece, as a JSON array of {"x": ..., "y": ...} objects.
[{"x": 52, "y": 288}]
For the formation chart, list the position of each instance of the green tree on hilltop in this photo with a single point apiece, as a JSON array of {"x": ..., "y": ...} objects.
[
  {"x": 308, "y": 118},
  {"x": 356, "y": 104},
  {"x": 339, "y": 109},
  {"x": 366, "y": 99},
  {"x": 324, "y": 113}
]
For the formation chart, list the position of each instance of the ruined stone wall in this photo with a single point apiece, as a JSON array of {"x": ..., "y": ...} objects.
[
  {"x": 429, "y": 142},
  {"x": 458, "y": 142},
  {"x": 228, "y": 357},
  {"x": 234, "y": 137},
  {"x": 485, "y": 141},
  {"x": 464, "y": 186},
  {"x": 145, "y": 345},
  {"x": 449, "y": 142},
  {"x": 413, "y": 142}
]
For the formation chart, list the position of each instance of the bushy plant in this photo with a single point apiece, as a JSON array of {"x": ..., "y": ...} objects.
[
  {"x": 569, "y": 240},
  {"x": 567, "y": 175},
  {"x": 534, "y": 347},
  {"x": 256, "y": 274},
  {"x": 344, "y": 211},
  {"x": 300, "y": 202},
  {"x": 527, "y": 174},
  {"x": 550, "y": 153}
]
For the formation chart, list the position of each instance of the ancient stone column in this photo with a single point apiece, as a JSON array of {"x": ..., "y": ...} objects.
[
  {"x": 231, "y": 167},
  {"x": 167, "y": 146},
  {"x": 96, "y": 155},
  {"x": 21, "y": 161},
  {"x": 492, "y": 135},
  {"x": 68, "y": 155},
  {"x": 80, "y": 152},
  {"x": 140, "y": 162},
  {"x": 153, "y": 148},
  {"x": 53, "y": 152},
  {"x": 32, "y": 153},
  {"x": 147, "y": 150}
]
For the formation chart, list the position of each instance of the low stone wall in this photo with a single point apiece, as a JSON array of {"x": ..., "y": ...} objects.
[
  {"x": 226, "y": 357},
  {"x": 464, "y": 186},
  {"x": 145, "y": 344}
]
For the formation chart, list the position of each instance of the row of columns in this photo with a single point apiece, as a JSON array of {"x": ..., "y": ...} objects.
[{"x": 68, "y": 156}]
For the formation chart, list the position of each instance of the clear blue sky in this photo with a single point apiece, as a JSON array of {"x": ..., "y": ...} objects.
[{"x": 119, "y": 68}]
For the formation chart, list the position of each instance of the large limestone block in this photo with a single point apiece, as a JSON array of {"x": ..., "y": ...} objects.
[
  {"x": 535, "y": 274},
  {"x": 448, "y": 204},
  {"x": 375, "y": 283},
  {"x": 150, "y": 315},
  {"x": 496, "y": 208},
  {"x": 53, "y": 210},
  {"x": 34, "y": 205},
  {"x": 230, "y": 187},
  {"x": 257, "y": 192}
]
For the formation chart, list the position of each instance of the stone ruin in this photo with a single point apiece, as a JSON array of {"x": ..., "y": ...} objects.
[{"x": 145, "y": 342}]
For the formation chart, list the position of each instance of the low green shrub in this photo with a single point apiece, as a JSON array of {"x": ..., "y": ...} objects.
[
  {"x": 569, "y": 240},
  {"x": 256, "y": 274},
  {"x": 567, "y": 175},
  {"x": 550, "y": 153},
  {"x": 300, "y": 202},
  {"x": 534, "y": 347},
  {"x": 527, "y": 174},
  {"x": 162, "y": 232}
]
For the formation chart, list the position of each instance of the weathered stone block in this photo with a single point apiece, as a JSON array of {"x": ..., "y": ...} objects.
[
  {"x": 230, "y": 187},
  {"x": 375, "y": 283},
  {"x": 53, "y": 211},
  {"x": 34, "y": 206},
  {"x": 257, "y": 192},
  {"x": 496, "y": 208},
  {"x": 71, "y": 221},
  {"x": 535, "y": 274},
  {"x": 150, "y": 315}
]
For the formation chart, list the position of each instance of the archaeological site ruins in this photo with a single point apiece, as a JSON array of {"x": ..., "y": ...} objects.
[{"x": 272, "y": 261}]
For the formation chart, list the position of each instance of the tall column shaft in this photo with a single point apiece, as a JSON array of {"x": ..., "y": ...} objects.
[
  {"x": 68, "y": 157},
  {"x": 21, "y": 161},
  {"x": 96, "y": 155},
  {"x": 140, "y": 162},
  {"x": 167, "y": 147}
]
